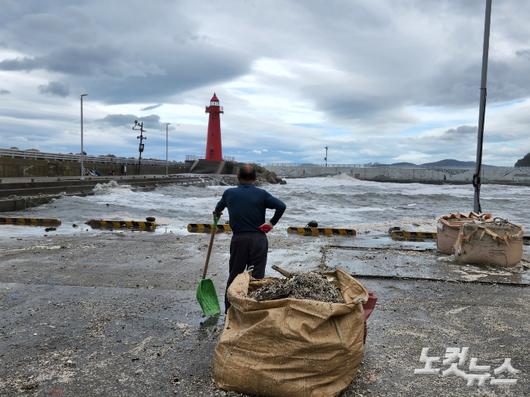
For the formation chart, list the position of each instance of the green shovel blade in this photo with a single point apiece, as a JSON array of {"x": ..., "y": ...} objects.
[{"x": 207, "y": 298}]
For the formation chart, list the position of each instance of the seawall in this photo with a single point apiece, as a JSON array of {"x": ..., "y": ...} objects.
[
  {"x": 496, "y": 175},
  {"x": 30, "y": 167}
]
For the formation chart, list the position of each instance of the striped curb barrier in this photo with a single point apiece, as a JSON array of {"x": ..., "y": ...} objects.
[
  {"x": 321, "y": 231},
  {"x": 207, "y": 228},
  {"x": 135, "y": 225},
  {"x": 403, "y": 235},
  {"x": 30, "y": 221}
]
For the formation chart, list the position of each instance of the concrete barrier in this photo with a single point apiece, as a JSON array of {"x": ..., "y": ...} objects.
[
  {"x": 207, "y": 228},
  {"x": 321, "y": 231},
  {"x": 30, "y": 221},
  {"x": 495, "y": 175},
  {"x": 121, "y": 224},
  {"x": 403, "y": 235}
]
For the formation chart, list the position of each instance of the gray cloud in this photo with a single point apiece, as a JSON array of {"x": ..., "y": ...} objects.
[
  {"x": 352, "y": 104},
  {"x": 18, "y": 63},
  {"x": 414, "y": 49},
  {"x": 116, "y": 76},
  {"x": 151, "y": 107},
  {"x": 55, "y": 88},
  {"x": 77, "y": 60},
  {"x": 150, "y": 62},
  {"x": 468, "y": 134},
  {"x": 127, "y": 121},
  {"x": 460, "y": 133},
  {"x": 524, "y": 53},
  {"x": 4, "y": 92}
]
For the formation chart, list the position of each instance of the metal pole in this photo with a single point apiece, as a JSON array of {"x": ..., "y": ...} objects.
[
  {"x": 140, "y": 148},
  {"x": 326, "y": 158},
  {"x": 482, "y": 110},
  {"x": 167, "y": 124},
  {"x": 82, "y": 156},
  {"x": 142, "y": 138}
]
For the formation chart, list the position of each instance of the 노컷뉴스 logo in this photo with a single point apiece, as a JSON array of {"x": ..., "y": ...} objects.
[{"x": 455, "y": 363}]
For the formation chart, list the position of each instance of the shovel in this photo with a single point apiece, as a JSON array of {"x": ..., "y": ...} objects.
[{"x": 206, "y": 295}]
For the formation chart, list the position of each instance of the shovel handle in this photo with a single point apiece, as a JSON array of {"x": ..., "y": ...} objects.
[
  {"x": 210, "y": 246},
  {"x": 283, "y": 272}
]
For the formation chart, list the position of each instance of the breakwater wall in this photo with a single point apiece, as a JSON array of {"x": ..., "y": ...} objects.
[
  {"x": 21, "y": 193},
  {"x": 496, "y": 175},
  {"x": 40, "y": 167}
]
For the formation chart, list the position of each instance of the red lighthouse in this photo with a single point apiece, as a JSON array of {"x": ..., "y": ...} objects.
[{"x": 214, "y": 149}]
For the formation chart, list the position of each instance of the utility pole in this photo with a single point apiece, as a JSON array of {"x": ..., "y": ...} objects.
[
  {"x": 139, "y": 127},
  {"x": 82, "y": 155},
  {"x": 167, "y": 124},
  {"x": 326, "y": 158},
  {"x": 482, "y": 110}
]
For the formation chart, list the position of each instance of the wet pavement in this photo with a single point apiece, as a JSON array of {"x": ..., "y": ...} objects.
[
  {"x": 421, "y": 264},
  {"x": 115, "y": 314}
]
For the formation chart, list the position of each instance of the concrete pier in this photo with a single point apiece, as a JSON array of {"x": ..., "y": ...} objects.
[{"x": 89, "y": 315}]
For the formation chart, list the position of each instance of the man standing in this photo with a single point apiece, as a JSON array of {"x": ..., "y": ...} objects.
[{"x": 246, "y": 207}]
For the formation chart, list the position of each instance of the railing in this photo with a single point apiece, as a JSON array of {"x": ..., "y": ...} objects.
[
  {"x": 193, "y": 157},
  {"x": 308, "y": 165},
  {"x": 29, "y": 154}
]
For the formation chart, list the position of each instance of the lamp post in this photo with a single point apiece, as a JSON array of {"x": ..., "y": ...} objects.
[
  {"x": 167, "y": 124},
  {"x": 326, "y": 158},
  {"x": 82, "y": 156}
]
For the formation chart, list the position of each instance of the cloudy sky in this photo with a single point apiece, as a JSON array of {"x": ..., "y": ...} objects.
[{"x": 375, "y": 80}]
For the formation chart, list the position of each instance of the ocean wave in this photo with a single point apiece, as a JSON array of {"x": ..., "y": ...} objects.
[{"x": 334, "y": 201}]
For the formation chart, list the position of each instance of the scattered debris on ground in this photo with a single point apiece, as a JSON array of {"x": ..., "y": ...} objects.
[{"x": 311, "y": 285}]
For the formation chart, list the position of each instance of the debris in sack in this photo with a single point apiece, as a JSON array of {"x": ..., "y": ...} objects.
[
  {"x": 449, "y": 227},
  {"x": 249, "y": 359},
  {"x": 313, "y": 286},
  {"x": 497, "y": 242}
]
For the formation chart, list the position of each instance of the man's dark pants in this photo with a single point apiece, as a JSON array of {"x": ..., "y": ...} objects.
[{"x": 247, "y": 250}]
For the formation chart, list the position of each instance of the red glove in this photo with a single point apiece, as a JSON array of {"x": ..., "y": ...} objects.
[{"x": 266, "y": 227}]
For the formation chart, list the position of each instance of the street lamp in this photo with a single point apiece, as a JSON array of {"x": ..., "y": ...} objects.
[
  {"x": 82, "y": 150},
  {"x": 326, "y": 158},
  {"x": 167, "y": 124}
]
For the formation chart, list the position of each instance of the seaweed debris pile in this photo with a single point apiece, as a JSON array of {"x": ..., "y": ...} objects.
[{"x": 311, "y": 285}]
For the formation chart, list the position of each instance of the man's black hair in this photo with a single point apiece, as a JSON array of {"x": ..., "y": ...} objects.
[{"x": 246, "y": 173}]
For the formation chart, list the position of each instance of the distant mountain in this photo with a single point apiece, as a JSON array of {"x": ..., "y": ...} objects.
[
  {"x": 446, "y": 163},
  {"x": 524, "y": 162},
  {"x": 449, "y": 163},
  {"x": 403, "y": 164}
]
